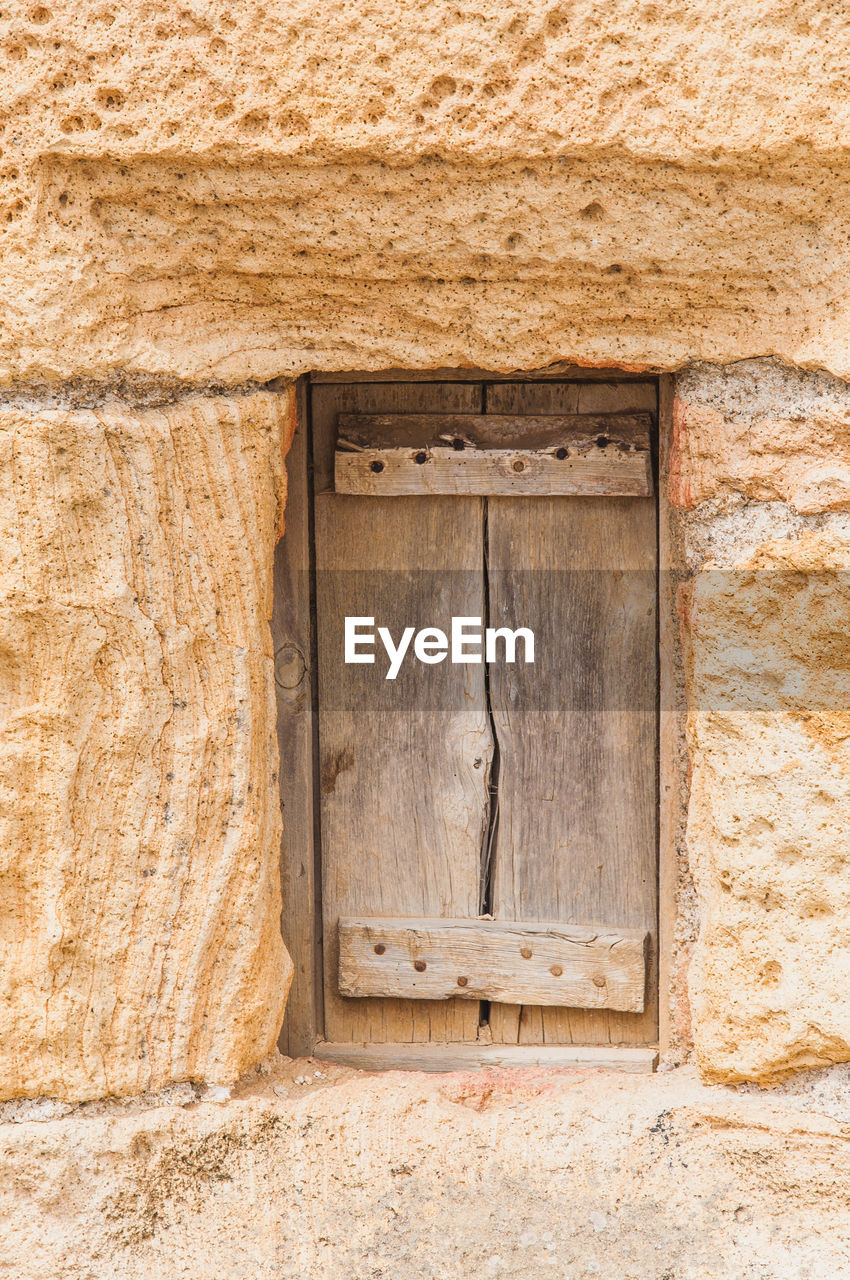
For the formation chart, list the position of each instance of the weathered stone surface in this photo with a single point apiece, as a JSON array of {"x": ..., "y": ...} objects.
[
  {"x": 764, "y": 431},
  {"x": 517, "y": 79},
  {"x": 242, "y": 190},
  {"x": 139, "y": 815},
  {"x": 769, "y": 692},
  {"x": 758, "y": 472},
  {"x": 215, "y": 269},
  {"x": 514, "y": 1175}
]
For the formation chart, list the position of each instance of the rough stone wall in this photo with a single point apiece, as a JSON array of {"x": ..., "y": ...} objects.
[
  {"x": 136, "y": 755},
  {"x": 312, "y": 1171},
  {"x": 199, "y": 196},
  {"x": 237, "y": 190},
  {"x": 758, "y": 469},
  {"x": 139, "y": 812},
  {"x": 220, "y": 193}
]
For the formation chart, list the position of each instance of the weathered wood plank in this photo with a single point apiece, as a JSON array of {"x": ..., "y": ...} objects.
[
  {"x": 498, "y": 472},
  {"x": 577, "y": 733},
  {"x": 404, "y": 764},
  {"x": 291, "y": 636},
  {"x": 572, "y": 454},
  {"x": 672, "y": 760},
  {"x": 528, "y": 962},
  {"x": 459, "y": 431},
  {"x": 470, "y": 1057},
  {"x": 394, "y": 1020},
  {"x": 604, "y": 395}
]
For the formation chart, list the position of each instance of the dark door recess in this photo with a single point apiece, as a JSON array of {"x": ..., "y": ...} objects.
[{"x": 485, "y": 833}]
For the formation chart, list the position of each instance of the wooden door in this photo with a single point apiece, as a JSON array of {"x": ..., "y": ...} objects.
[{"x": 525, "y": 793}]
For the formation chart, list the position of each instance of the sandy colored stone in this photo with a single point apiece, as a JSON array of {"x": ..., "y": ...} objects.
[
  {"x": 509, "y": 1174},
  {"x": 764, "y": 431},
  {"x": 139, "y": 815},
  {"x": 769, "y": 691},
  {"x": 226, "y": 192},
  {"x": 758, "y": 461},
  {"x": 242, "y": 190}
]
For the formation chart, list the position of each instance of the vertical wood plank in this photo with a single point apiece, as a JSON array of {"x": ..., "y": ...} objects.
[
  {"x": 291, "y": 635},
  {"x": 404, "y": 765},
  {"x": 671, "y": 814},
  {"x": 577, "y": 732}
]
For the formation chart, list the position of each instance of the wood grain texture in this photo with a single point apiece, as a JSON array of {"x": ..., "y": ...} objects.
[
  {"x": 672, "y": 810},
  {"x": 564, "y": 375},
  {"x": 436, "y": 1057},
  {"x": 512, "y": 962},
  {"x": 497, "y": 472},
  {"x": 291, "y": 637},
  {"x": 404, "y": 765},
  {"x": 575, "y": 431},
  {"x": 578, "y": 731},
  {"x": 397, "y": 455},
  {"x": 598, "y": 392},
  {"x": 616, "y": 748}
]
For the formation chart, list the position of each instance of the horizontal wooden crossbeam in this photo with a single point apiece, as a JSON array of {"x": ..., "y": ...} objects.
[
  {"x": 508, "y": 962},
  {"x": 432, "y": 1056},
  {"x": 394, "y": 455}
]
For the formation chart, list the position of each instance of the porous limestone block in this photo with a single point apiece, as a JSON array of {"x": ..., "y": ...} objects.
[
  {"x": 252, "y": 189},
  {"x": 769, "y": 733},
  {"x": 230, "y": 267},
  {"x": 764, "y": 431},
  {"x": 139, "y": 814}
]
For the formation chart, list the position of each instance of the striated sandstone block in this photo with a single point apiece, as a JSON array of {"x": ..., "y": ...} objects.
[
  {"x": 139, "y": 815},
  {"x": 769, "y": 730}
]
